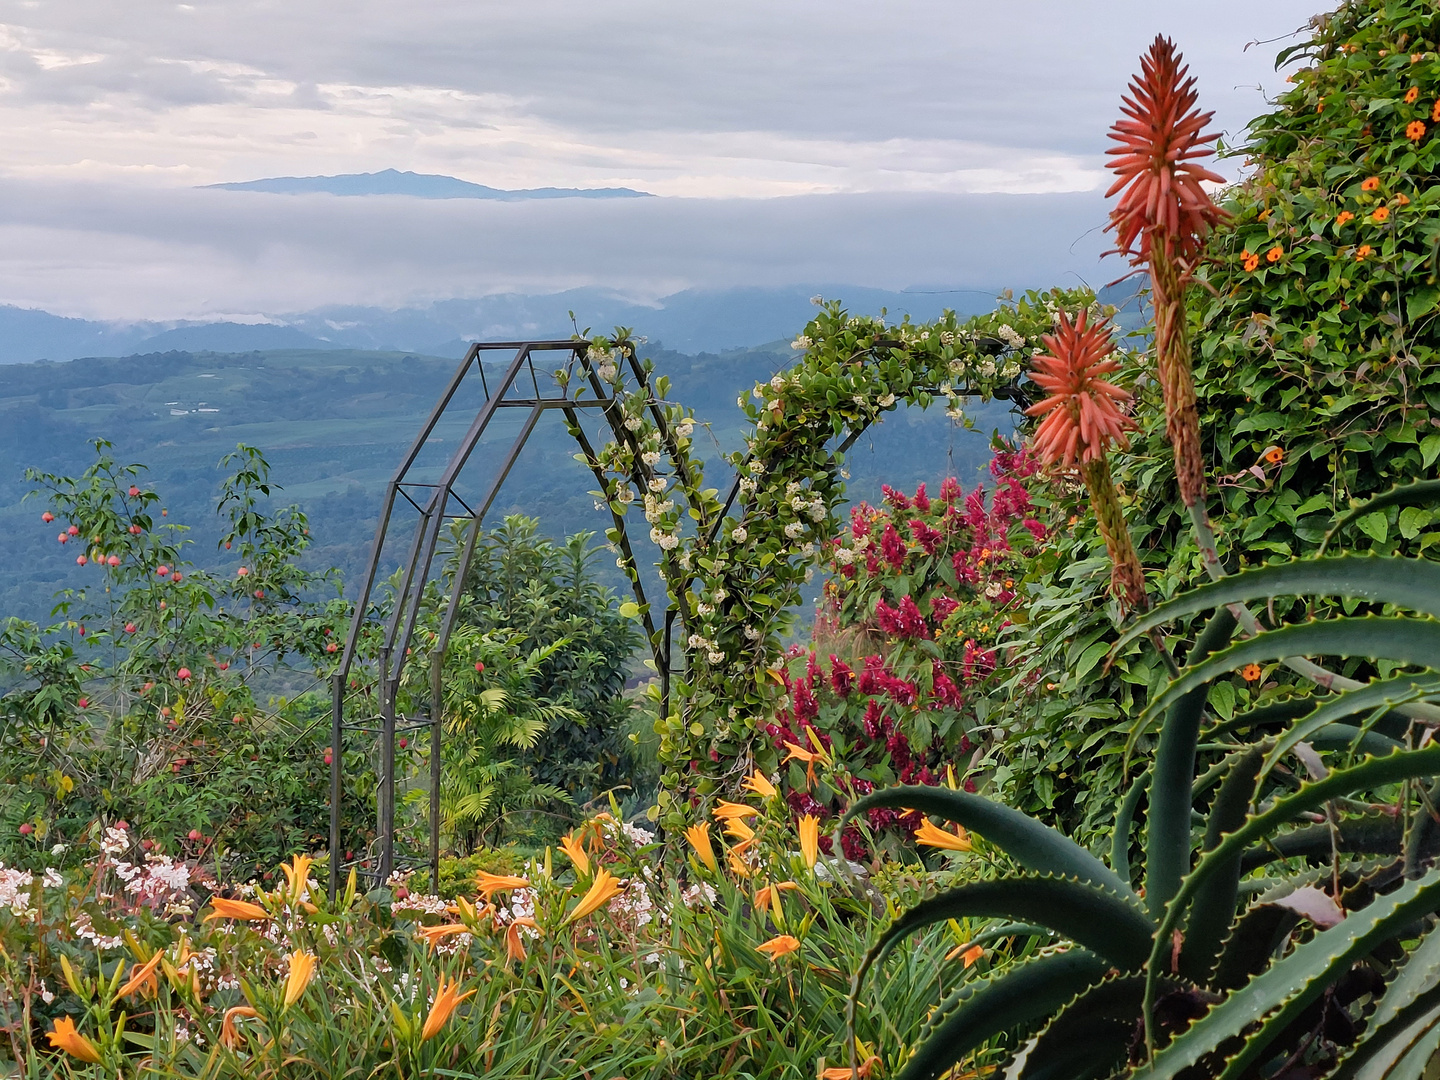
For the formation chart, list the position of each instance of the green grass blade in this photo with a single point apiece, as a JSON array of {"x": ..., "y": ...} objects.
[
  {"x": 1412, "y": 584},
  {"x": 1034, "y": 846},
  {"x": 1282, "y": 992},
  {"x": 1018, "y": 997},
  {"x": 1167, "y": 838}
]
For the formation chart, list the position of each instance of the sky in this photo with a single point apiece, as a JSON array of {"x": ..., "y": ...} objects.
[{"x": 915, "y": 142}]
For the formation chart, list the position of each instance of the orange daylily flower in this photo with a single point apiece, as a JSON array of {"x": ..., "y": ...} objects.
[
  {"x": 932, "y": 836},
  {"x": 1250, "y": 672},
  {"x": 778, "y": 946},
  {"x": 699, "y": 837},
  {"x": 433, "y": 934},
  {"x": 65, "y": 1037},
  {"x": 221, "y": 908},
  {"x": 143, "y": 977},
  {"x": 572, "y": 847},
  {"x": 447, "y": 1000},
  {"x": 862, "y": 1071},
  {"x": 601, "y": 890},
  {"x": 229, "y": 1037},
  {"x": 302, "y": 970},
  {"x": 489, "y": 884},
  {"x": 809, "y": 839},
  {"x": 514, "y": 941},
  {"x": 757, "y": 783},
  {"x": 733, "y": 811},
  {"x": 737, "y": 828}
]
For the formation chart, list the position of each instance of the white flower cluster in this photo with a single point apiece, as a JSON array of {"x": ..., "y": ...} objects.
[
  {"x": 656, "y": 484},
  {"x": 665, "y": 541},
  {"x": 777, "y": 382},
  {"x": 748, "y": 486},
  {"x": 160, "y": 880},
  {"x": 651, "y": 458},
  {"x": 116, "y": 841},
  {"x": 633, "y": 423},
  {"x": 82, "y": 927},
  {"x": 655, "y": 507},
  {"x": 15, "y": 891},
  {"x": 1007, "y": 334},
  {"x": 685, "y": 428},
  {"x": 739, "y": 534},
  {"x": 801, "y": 343}
]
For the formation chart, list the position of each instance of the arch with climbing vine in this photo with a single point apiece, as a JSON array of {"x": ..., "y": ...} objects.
[{"x": 734, "y": 569}]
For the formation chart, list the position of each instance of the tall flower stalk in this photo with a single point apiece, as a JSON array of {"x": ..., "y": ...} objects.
[
  {"x": 1161, "y": 221},
  {"x": 1083, "y": 418}
]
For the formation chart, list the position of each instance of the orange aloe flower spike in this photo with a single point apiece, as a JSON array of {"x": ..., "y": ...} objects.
[{"x": 1083, "y": 416}]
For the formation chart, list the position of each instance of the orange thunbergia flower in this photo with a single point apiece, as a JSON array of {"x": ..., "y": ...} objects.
[
  {"x": 220, "y": 908},
  {"x": 1371, "y": 183},
  {"x": 1275, "y": 254},
  {"x": 1401, "y": 199},
  {"x": 1084, "y": 410},
  {"x": 65, "y": 1037},
  {"x": 143, "y": 977},
  {"x": 1415, "y": 130},
  {"x": 809, "y": 839},
  {"x": 730, "y": 811},
  {"x": 514, "y": 940},
  {"x": 1249, "y": 260},
  {"x": 757, "y": 783},
  {"x": 447, "y": 1000},
  {"x": 489, "y": 884},
  {"x": 302, "y": 970},
  {"x": 934, "y": 836},
  {"x": 1084, "y": 421},
  {"x": 1250, "y": 672},
  {"x": 1435, "y": 112},
  {"x": 601, "y": 890},
  {"x": 699, "y": 837},
  {"x": 572, "y": 847},
  {"x": 1274, "y": 455},
  {"x": 1412, "y": 95},
  {"x": 1380, "y": 214},
  {"x": 1342, "y": 217},
  {"x": 778, "y": 946},
  {"x": 229, "y": 1037},
  {"x": 433, "y": 934},
  {"x": 1362, "y": 251}
]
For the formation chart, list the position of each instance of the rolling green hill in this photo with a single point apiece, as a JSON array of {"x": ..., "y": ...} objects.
[{"x": 334, "y": 424}]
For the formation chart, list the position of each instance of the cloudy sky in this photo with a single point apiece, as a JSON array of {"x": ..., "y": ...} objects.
[{"x": 915, "y": 142}]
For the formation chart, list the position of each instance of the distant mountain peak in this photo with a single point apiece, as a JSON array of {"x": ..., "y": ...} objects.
[{"x": 417, "y": 186}]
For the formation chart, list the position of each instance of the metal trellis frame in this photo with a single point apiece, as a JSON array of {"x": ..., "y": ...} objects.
[{"x": 437, "y": 502}]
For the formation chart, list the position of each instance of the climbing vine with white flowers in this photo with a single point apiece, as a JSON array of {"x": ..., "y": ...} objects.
[{"x": 734, "y": 573}]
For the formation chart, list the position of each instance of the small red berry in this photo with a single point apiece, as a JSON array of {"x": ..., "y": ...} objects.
[
  {"x": 26, "y": 829},
  {"x": 164, "y": 513},
  {"x": 64, "y": 538},
  {"x": 147, "y": 688},
  {"x": 175, "y": 576},
  {"x": 122, "y": 824},
  {"x": 130, "y": 628},
  {"x": 227, "y": 545},
  {"x": 84, "y": 702},
  {"x": 404, "y": 742},
  {"x": 81, "y": 560},
  {"x": 244, "y": 571},
  {"x": 134, "y": 491},
  {"x": 183, "y": 673},
  {"x": 331, "y": 647},
  {"x": 237, "y": 719},
  {"x": 161, "y": 570},
  {"x": 328, "y": 759},
  {"x": 327, "y": 631},
  {"x": 259, "y": 594},
  {"x": 479, "y": 666},
  {"x": 225, "y": 665},
  {"x": 74, "y": 530},
  {"x": 47, "y": 517},
  {"x": 194, "y": 834},
  {"x": 82, "y": 629},
  {"x": 114, "y": 560}
]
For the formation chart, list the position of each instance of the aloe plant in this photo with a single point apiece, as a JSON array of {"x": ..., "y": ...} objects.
[{"x": 1192, "y": 965}]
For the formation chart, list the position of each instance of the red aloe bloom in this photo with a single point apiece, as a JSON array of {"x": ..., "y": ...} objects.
[
  {"x": 1157, "y": 145},
  {"x": 1084, "y": 410}
]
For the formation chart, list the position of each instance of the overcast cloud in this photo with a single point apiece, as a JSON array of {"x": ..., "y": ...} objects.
[{"x": 887, "y": 128}]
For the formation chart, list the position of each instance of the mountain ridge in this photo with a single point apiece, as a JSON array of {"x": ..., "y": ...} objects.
[{"x": 416, "y": 186}]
